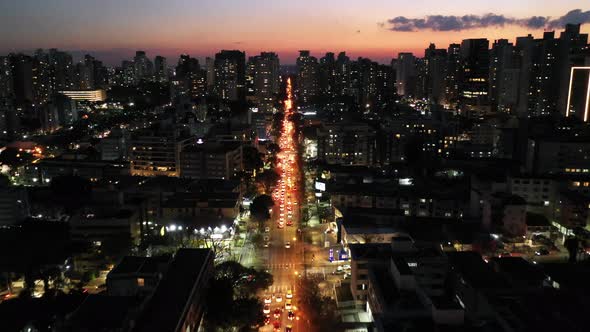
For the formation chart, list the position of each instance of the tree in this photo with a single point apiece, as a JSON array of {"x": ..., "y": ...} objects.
[
  {"x": 252, "y": 158},
  {"x": 268, "y": 179},
  {"x": 273, "y": 148},
  {"x": 259, "y": 208},
  {"x": 322, "y": 310},
  {"x": 231, "y": 298}
]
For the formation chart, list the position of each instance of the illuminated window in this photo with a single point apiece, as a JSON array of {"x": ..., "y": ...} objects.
[
  {"x": 576, "y": 184},
  {"x": 140, "y": 282}
]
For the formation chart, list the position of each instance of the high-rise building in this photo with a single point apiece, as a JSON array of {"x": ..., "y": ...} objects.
[
  {"x": 307, "y": 77},
  {"x": 6, "y": 83},
  {"x": 160, "y": 69},
  {"x": 210, "y": 68},
  {"x": 542, "y": 63},
  {"x": 62, "y": 70},
  {"x": 435, "y": 64},
  {"x": 42, "y": 88},
  {"x": 8, "y": 118},
  {"x": 143, "y": 67},
  {"x": 190, "y": 78},
  {"x": 327, "y": 75},
  {"x": 504, "y": 76},
  {"x": 454, "y": 72},
  {"x": 578, "y": 99},
  {"x": 406, "y": 74},
  {"x": 128, "y": 73},
  {"x": 342, "y": 81},
  {"x": 476, "y": 74},
  {"x": 265, "y": 78},
  {"x": 85, "y": 73},
  {"x": 575, "y": 53},
  {"x": 230, "y": 75},
  {"x": 22, "y": 74}
]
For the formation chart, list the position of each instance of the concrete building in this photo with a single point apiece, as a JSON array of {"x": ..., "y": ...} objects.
[
  {"x": 156, "y": 151},
  {"x": 558, "y": 155},
  {"x": 14, "y": 204},
  {"x": 346, "y": 144},
  {"x": 475, "y": 78},
  {"x": 265, "y": 78},
  {"x": 230, "y": 75},
  {"x": 406, "y": 74},
  {"x": 211, "y": 161},
  {"x": 307, "y": 77},
  {"x": 85, "y": 95}
]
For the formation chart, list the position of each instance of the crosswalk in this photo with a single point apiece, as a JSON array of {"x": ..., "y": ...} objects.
[
  {"x": 279, "y": 289},
  {"x": 282, "y": 266}
]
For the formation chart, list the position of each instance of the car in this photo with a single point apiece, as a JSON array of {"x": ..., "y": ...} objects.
[
  {"x": 279, "y": 298},
  {"x": 291, "y": 315},
  {"x": 277, "y": 313},
  {"x": 266, "y": 229},
  {"x": 266, "y": 244},
  {"x": 542, "y": 252},
  {"x": 266, "y": 309},
  {"x": 288, "y": 304},
  {"x": 266, "y": 319},
  {"x": 267, "y": 300},
  {"x": 276, "y": 325},
  {"x": 289, "y": 294},
  {"x": 289, "y": 328},
  {"x": 266, "y": 238},
  {"x": 287, "y": 244}
]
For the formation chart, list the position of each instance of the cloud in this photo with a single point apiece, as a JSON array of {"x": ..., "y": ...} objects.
[
  {"x": 576, "y": 16},
  {"x": 467, "y": 22}
]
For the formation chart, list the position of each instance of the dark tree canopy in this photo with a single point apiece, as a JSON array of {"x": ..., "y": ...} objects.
[{"x": 259, "y": 207}]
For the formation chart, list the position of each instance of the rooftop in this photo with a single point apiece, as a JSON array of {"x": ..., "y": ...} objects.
[{"x": 167, "y": 306}]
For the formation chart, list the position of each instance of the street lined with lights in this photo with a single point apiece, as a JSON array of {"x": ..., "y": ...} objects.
[{"x": 283, "y": 251}]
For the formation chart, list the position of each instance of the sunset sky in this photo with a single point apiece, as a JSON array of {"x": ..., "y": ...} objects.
[{"x": 113, "y": 29}]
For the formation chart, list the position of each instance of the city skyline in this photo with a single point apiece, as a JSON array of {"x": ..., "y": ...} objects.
[{"x": 112, "y": 32}]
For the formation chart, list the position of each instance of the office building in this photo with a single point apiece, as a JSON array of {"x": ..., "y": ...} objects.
[{"x": 230, "y": 75}]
